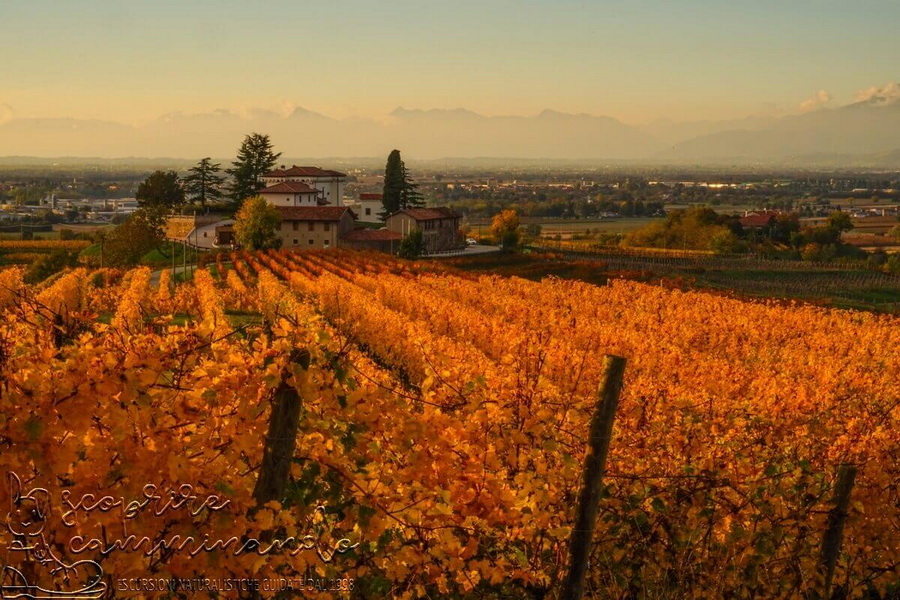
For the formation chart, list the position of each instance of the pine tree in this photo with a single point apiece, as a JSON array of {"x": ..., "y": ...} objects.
[
  {"x": 255, "y": 158},
  {"x": 203, "y": 183},
  {"x": 399, "y": 191},
  {"x": 411, "y": 197}
]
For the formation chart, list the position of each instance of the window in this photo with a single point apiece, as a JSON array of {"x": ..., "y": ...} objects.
[
  {"x": 327, "y": 243},
  {"x": 296, "y": 241},
  {"x": 312, "y": 227},
  {"x": 368, "y": 211},
  {"x": 296, "y": 225},
  {"x": 287, "y": 200},
  {"x": 204, "y": 234},
  {"x": 327, "y": 226},
  {"x": 311, "y": 242}
]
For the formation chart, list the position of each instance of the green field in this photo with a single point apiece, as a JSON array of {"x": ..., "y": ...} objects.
[{"x": 566, "y": 227}]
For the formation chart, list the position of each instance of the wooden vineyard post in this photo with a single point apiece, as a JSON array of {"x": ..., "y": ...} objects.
[
  {"x": 834, "y": 532},
  {"x": 594, "y": 465},
  {"x": 281, "y": 438}
]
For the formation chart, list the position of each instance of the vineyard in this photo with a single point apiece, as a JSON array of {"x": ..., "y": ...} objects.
[
  {"x": 443, "y": 421},
  {"x": 841, "y": 280},
  {"x": 22, "y": 252}
]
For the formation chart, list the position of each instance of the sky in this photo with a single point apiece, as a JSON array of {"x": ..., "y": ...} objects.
[{"x": 638, "y": 60}]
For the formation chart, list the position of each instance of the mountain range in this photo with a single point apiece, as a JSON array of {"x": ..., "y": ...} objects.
[{"x": 865, "y": 133}]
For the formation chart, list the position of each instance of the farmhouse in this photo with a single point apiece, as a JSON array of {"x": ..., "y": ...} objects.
[
  {"x": 330, "y": 183},
  {"x": 293, "y": 193},
  {"x": 310, "y": 220},
  {"x": 439, "y": 227},
  {"x": 314, "y": 226}
]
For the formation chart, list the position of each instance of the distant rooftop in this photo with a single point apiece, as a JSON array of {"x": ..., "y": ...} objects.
[
  {"x": 296, "y": 171},
  {"x": 290, "y": 187},
  {"x": 313, "y": 213}
]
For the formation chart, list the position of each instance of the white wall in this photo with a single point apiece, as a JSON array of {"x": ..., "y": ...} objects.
[
  {"x": 374, "y": 207},
  {"x": 333, "y": 187},
  {"x": 205, "y": 235},
  {"x": 291, "y": 199}
]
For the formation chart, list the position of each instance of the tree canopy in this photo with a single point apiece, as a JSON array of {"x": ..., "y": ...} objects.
[
  {"x": 127, "y": 243},
  {"x": 204, "y": 182},
  {"x": 413, "y": 245},
  {"x": 162, "y": 189},
  {"x": 255, "y": 158},
  {"x": 255, "y": 224},
  {"x": 505, "y": 228}
]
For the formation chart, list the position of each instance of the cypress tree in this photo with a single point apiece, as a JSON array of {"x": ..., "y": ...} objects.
[
  {"x": 393, "y": 184},
  {"x": 399, "y": 189}
]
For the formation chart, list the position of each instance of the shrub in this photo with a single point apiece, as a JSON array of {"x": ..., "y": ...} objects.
[{"x": 50, "y": 264}]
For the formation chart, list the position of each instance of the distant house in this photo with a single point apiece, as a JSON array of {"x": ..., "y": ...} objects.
[
  {"x": 439, "y": 226},
  {"x": 314, "y": 226},
  {"x": 330, "y": 183},
  {"x": 762, "y": 219},
  {"x": 293, "y": 193}
]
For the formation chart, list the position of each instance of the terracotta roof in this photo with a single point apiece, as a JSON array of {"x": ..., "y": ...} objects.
[
  {"x": 760, "y": 220},
  {"x": 370, "y": 196},
  {"x": 296, "y": 171},
  {"x": 290, "y": 187},
  {"x": 313, "y": 213},
  {"x": 429, "y": 214},
  {"x": 371, "y": 235}
]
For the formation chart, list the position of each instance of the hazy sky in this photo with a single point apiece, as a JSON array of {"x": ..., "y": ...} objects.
[{"x": 132, "y": 61}]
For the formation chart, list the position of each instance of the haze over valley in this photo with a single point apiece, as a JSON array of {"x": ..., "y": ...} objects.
[{"x": 863, "y": 133}]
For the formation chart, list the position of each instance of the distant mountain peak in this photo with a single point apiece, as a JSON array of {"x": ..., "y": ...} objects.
[
  {"x": 549, "y": 113},
  {"x": 299, "y": 112}
]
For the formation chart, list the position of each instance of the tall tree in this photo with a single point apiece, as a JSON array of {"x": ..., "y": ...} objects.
[
  {"x": 161, "y": 190},
  {"x": 399, "y": 189},
  {"x": 254, "y": 159},
  {"x": 204, "y": 182},
  {"x": 393, "y": 184},
  {"x": 411, "y": 197},
  {"x": 255, "y": 224}
]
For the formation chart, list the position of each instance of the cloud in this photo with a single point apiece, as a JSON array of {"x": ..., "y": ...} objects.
[
  {"x": 881, "y": 96},
  {"x": 6, "y": 114},
  {"x": 820, "y": 100}
]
